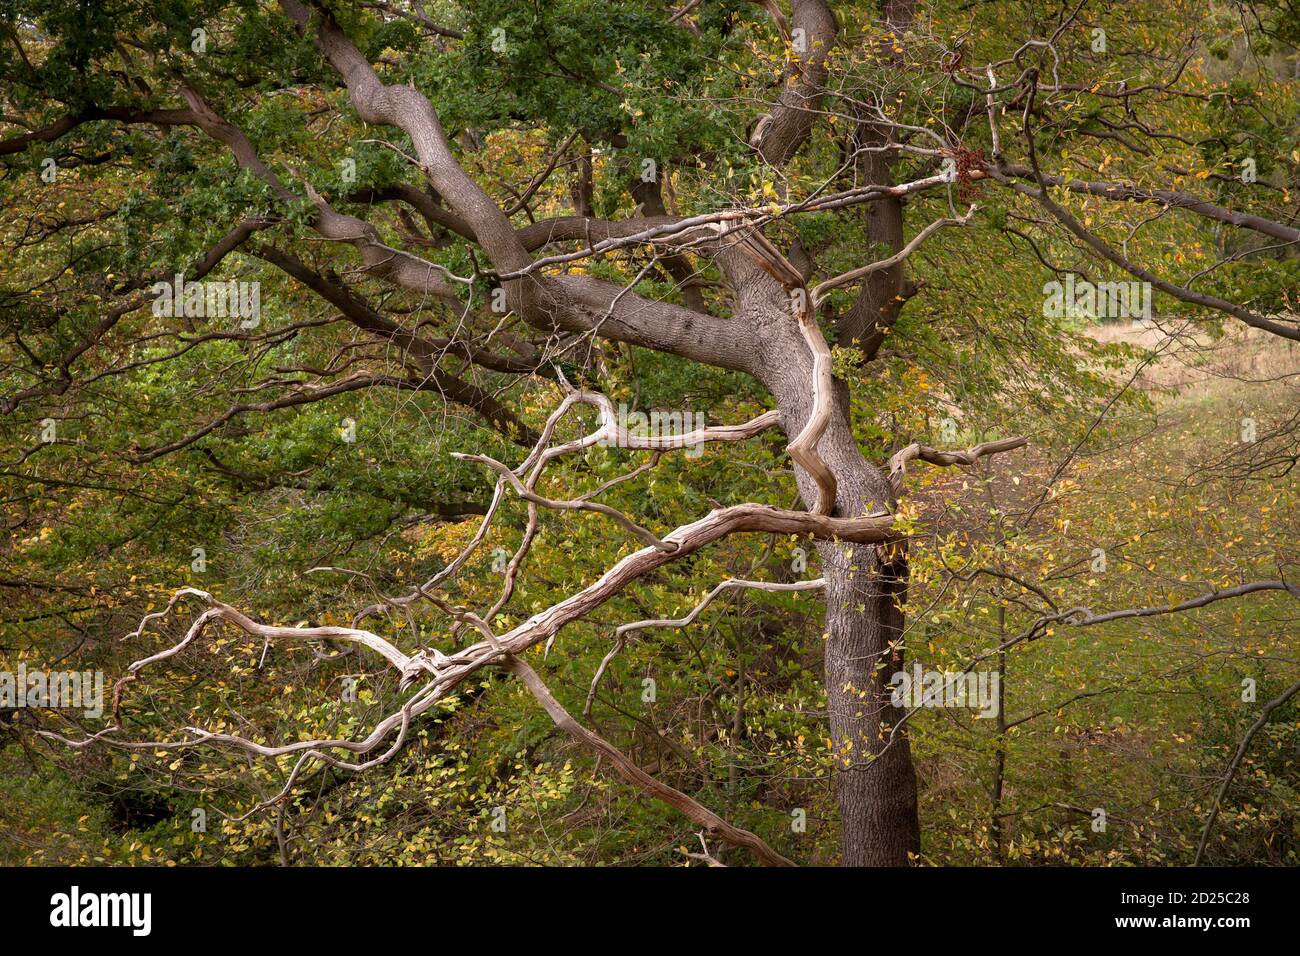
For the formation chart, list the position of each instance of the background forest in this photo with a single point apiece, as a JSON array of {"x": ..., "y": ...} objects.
[{"x": 296, "y": 470}]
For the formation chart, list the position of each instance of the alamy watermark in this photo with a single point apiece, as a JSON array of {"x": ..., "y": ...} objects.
[
  {"x": 661, "y": 424},
  {"x": 73, "y": 909},
  {"x": 1081, "y": 299},
  {"x": 82, "y": 690},
  {"x": 975, "y": 689},
  {"x": 211, "y": 300}
]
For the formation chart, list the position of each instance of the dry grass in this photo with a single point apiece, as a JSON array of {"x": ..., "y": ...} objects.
[{"x": 1191, "y": 356}]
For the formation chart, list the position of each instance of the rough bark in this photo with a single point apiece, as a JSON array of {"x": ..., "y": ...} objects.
[{"x": 876, "y": 784}]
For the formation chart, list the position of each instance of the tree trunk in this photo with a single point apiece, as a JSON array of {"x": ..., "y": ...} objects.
[{"x": 875, "y": 784}]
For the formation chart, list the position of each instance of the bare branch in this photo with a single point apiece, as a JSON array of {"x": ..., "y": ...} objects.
[
  {"x": 620, "y": 634},
  {"x": 898, "y": 461},
  {"x": 712, "y": 823},
  {"x": 822, "y": 288},
  {"x": 1255, "y": 728},
  {"x": 572, "y": 505}
]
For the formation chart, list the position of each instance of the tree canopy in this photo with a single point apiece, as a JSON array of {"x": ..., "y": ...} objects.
[{"x": 420, "y": 409}]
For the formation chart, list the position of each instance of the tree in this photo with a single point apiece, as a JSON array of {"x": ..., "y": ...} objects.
[{"x": 743, "y": 189}]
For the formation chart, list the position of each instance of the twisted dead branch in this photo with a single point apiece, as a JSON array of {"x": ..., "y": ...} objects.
[
  {"x": 440, "y": 673},
  {"x": 917, "y": 452}
]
